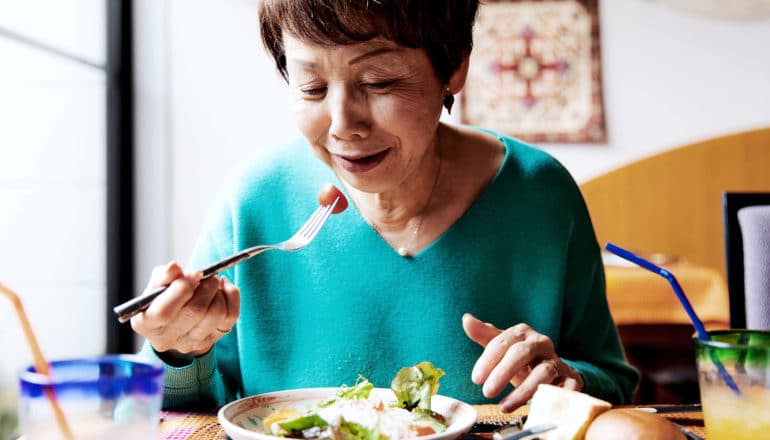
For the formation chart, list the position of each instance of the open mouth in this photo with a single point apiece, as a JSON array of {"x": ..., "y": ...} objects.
[{"x": 363, "y": 163}]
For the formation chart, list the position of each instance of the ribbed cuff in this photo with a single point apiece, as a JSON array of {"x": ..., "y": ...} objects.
[{"x": 187, "y": 384}]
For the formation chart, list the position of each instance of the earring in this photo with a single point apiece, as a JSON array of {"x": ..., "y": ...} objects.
[{"x": 449, "y": 101}]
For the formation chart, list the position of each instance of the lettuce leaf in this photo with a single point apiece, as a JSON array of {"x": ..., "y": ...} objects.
[
  {"x": 414, "y": 386},
  {"x": 303, "y": 423},
  {"x": 360, "y": 390},
  {"x": 354, "y": 431}
]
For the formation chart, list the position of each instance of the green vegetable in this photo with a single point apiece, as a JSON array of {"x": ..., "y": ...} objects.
[
  {"x": 302, "y": 423},
  {"x": 414, "y": 386},
  {"x": 354, "y": 431},
  {"x": 360, "y": 390}
]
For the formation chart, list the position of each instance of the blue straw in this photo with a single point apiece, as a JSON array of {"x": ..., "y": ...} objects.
[{"x": 696, "y": 322}]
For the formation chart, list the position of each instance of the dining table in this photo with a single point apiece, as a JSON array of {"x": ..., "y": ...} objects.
[
  {"x": 205, "y": 426},
  {"x": 637, "y": 296}
]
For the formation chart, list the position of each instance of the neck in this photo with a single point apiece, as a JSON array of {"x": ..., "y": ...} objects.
[
  {"x": 408, "y": 238},
  {"x": 399, "y": 217},
  {"x": 394, "y": 210}
]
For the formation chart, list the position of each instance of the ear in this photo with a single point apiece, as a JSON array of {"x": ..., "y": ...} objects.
[{"x": 457, "y": 80}]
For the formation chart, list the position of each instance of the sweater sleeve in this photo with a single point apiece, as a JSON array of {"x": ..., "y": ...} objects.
[
  {"x": 590, "y": 342},
  {"x": 195, "y": 385}
]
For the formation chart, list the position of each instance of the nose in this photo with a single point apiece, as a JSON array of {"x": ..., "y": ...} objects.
[{"x": 350, "y": 118}]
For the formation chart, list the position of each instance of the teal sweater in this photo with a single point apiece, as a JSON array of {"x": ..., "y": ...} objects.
[{"x": 348, "y": 304}]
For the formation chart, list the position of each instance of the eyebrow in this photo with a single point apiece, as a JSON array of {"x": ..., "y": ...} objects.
[{"x": 372, "y": 53}]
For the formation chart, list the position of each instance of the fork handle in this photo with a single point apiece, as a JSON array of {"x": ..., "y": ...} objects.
[
  {"x": 136, "y": 305},
  {"x": 231, "y": 261},
  {"x": 133, "y": 306}
]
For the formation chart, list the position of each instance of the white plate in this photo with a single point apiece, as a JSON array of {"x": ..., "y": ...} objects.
[{"x": 242, "y": 419}]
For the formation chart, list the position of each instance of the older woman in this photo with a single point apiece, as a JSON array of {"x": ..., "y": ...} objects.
[{"x": 465, "y": 247}]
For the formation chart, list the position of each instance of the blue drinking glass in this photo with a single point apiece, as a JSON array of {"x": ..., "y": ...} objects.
[{"x": 115, "y": 397}]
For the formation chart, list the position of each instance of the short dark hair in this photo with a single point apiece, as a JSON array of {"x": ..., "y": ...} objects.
[{"x": 443, "y": 28}]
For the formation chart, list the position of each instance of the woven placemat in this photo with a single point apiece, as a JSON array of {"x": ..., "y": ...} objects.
[
  {"x": 690, "y": 421},
  {"x": 491, "y": 414},
  {"x": 190, "y": 426},
  {"x": 209, "y": 432}
]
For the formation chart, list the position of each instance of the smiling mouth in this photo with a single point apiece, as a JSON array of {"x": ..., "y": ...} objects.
[{"x": 363, "y": 163}]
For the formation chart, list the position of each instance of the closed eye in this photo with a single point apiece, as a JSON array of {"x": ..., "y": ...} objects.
[
  {"x": 379, "y": 85},
  {"x": 317, "y": 91}
]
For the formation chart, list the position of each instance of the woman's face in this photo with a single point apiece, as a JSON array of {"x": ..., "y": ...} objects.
[{"x": 370, "y": 111}]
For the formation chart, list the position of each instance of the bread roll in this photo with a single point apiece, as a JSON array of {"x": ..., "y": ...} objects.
[
  {"x": 632, "y": 424},
  {"x": 571, "y": 411}
]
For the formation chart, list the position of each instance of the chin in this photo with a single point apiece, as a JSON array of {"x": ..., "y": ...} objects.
[{"x": 368, "y": 183}]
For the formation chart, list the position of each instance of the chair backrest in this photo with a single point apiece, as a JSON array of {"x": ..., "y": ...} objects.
[
  {"x": 755, "y": 231},
  {"x": 732, "y": 202},
  {"x": 669, "y": 203}
]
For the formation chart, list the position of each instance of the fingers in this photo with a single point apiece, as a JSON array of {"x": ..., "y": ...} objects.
[
  {"x": 208, "y": 327},
  {"x": 551, "y": 371},
  {"x": 520, "y": 356},
  {"x": 232, "y": 297},
  {"x": 166, "y": 306},
  {"x": 221, "y": 315},
  {"x": 191, "y": 315},
  {"x": 479, "y": 332},
  {"x": 196, "y": 309},
  {"x": 508, "y": 356},
  {"x": 164, "y": 275},
  {"x": 179, "y": 292},
  {"x": 544, "y": 372}
]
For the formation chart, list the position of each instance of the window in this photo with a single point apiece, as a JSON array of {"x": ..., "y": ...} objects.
[{"x": 66, "y": 144}]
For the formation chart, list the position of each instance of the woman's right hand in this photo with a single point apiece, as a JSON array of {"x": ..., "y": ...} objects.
[{"x": 190, "y": 316}]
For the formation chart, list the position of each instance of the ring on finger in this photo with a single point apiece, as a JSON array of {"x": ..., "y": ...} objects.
[
  {"x": 554, "y": 370},
  {"x": 224, "y": 332}
]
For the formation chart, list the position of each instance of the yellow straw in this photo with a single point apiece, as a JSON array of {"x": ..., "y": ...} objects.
[{"x": 41, "y": 365}]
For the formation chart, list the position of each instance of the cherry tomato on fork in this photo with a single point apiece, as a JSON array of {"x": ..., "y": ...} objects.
[{"x": 327, "y": 196}]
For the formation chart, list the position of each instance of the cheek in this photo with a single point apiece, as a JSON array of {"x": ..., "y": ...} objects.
[
  {"x": 415, "y": 118},
  {"x": 415, "y": 104},
  {"x": 313, "y": 125},
  {"x": 309, "y": 120}
]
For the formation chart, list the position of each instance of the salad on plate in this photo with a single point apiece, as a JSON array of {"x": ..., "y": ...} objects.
[{"x": 355, "y": 412}]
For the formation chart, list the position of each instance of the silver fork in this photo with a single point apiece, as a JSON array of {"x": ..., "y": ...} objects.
[{"x": 300, "y": 239}]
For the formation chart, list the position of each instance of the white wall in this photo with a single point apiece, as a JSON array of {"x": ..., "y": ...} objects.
[
  {"x": 52, "y": 183},
  {"x": 226, "y": 99},
  {"x": 669, "y": 79}
]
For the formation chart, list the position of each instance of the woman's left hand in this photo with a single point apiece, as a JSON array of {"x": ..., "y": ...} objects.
[{"x": 518, "y": 355}]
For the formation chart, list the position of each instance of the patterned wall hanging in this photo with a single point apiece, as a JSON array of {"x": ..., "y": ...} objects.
[{"x": 535, "y": 71}]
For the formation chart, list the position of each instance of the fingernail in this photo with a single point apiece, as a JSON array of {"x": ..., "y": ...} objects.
[{"x": 475, "y": 376}]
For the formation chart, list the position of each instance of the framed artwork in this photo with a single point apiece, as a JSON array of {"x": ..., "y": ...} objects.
[{"x": 535, "y": 71}]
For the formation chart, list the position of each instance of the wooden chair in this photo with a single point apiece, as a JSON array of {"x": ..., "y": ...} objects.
[{"x": 670, "y": 203}]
